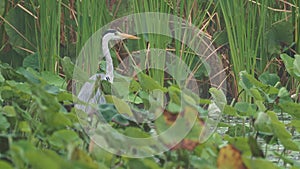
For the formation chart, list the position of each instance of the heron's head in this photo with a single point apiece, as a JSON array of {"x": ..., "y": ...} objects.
[{"x": 113, "y": 34}]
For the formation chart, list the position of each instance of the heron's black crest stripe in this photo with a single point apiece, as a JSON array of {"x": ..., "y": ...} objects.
[{"x": 109, "y": 31}]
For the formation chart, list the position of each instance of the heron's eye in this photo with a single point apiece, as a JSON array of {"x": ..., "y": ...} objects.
[{"x": 107, "y": 78}]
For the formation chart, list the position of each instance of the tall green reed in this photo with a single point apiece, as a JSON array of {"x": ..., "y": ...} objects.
[
  {"x": 189, "y": 11},
  {"x": 296, "y": 23},
  {"x": 245, "y": 24},
  {"x": 153, "y": 41},
  {"x": 91, "y": 16},
  {"x": 49, "y": 41}
]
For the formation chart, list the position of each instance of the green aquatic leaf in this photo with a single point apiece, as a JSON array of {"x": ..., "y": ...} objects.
[
  {"x": 290, "y": 108},
  {"x": 296, "y": 124},
  {"x": 134, "y": 98},
  {"x": 174, "y": 108},
  {"x": 255, "y": 148},
  {"x": 24, "y": 127},
  {"x": 296, "y": 65},
  {"x": 245, "y": 108},
  {"x": 289, "y": 65},
  {"x": 240, "y": 143},
  {"x": 108, "y": 111},
  {"x": 58, "y": 120},
  {"x": 248, "y": 81},
  {"x": 219, "y": 97},
  {"x": 68, "y": 67},
  {"x": 4, "y": 164},
  {"x": 229, "y": 110},
  {"x": 11, "y": 74},
  {"x": 22, "y": 34},
  {"x": 269, "y": 78},
  {"x": 4, "y": 124},
  {"x": 149, "y": 84},
  {"x": 30, "y": 75},
  {"x": 9, "y": 111},
  {"x": 134, "y": 86},
  {"x": 280, "y": 131},
  {"x": 256, "y": 94},
  {"x": 32, "y": 61},
  {"x": 258, "y": 163},
  {"x": 277, "y": 35},
  {"x": 120, "y": 119},
  {"x": 146, "y": 163},
  {"x": 121, "y": 106},
  {"x": 53, "y": 79},
  {"x": 135, "y": 133},
  {"x": 263, "y": 123},
  {"x": 59, "y": 139}
]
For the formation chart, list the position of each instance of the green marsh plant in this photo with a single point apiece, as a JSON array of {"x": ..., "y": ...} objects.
[
  {"x": 49, "y": 41},
  {"x": 245, "y": 24}
]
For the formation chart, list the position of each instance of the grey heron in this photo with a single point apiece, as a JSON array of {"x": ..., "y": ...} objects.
[{"x": 90, "y": 92}]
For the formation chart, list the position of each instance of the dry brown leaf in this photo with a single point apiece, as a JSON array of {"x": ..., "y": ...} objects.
[{"x": 230, "y": 158}]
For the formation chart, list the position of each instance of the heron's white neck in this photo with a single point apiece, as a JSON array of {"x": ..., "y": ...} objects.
[{"x": 109, "y": 63}]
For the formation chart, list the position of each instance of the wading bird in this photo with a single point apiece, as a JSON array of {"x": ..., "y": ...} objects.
[{"x": 90, "y": 91}]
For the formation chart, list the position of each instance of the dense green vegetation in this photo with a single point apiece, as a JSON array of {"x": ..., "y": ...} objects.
[{"x": 257, "y": 41}]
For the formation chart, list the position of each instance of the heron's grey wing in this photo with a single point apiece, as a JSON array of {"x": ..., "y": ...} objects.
[{"x": 88, "y": 95}]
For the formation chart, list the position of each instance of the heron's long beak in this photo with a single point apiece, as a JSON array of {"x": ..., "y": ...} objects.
[{"x": 127, "y": 36}]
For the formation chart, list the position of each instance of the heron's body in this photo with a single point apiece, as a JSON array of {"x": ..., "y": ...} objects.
[{"x": 90, "y": 93}]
